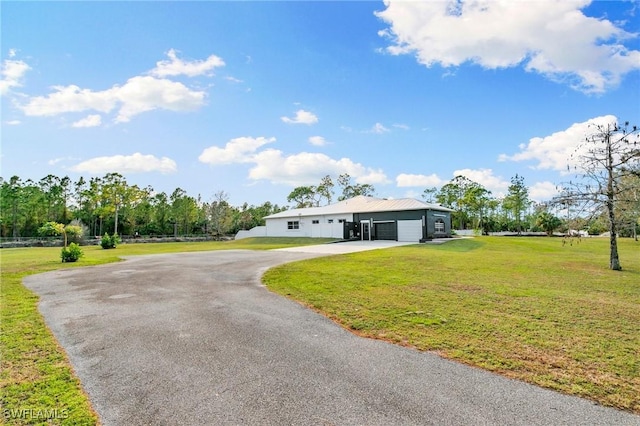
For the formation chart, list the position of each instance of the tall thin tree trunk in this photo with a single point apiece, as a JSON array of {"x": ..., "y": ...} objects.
[
  {"x": 15, "y": 219},
  {"x": 614, "y": 260},
  {"x": 115, "y": 231}
]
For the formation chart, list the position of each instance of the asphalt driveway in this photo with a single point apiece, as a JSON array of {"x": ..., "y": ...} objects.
[{"x": 196, "y": 339}]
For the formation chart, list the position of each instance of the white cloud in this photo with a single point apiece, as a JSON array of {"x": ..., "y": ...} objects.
[
  {"x": 12, "y": 53},
  {"x": 485, "y": 177},
  {"x": 93, "y": 120},
  {"x": 302, "y": 117},
  {"x": 372, "y": 176},
  {"x": 135, "y": 163},
  {"x": 69, "y": 99},
  {"x": 13, "y": 72},
  {"x": 142, "y": 94},
  {"x": 425, "y": 181},
  {"x": 307, "y": 168},
  {"x": 317, "y": 141},
  {"x": 554, "y": 151},
  {"x": 379, "y": 129},
  {"x": 401, "y": 126},
  {"x": 55, "y": 161},
  {"x": 553, "y": 38},
  {"x": 542, "y": 191},
  {"x": 175, "y": 66},
  {"x": 137, "y": 95},
  {"x": 238, "y": 150},
  {"x": 13, "y": 122}
]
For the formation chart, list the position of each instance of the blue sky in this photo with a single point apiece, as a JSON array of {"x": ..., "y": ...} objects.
[{"x": 255, "y": 98}]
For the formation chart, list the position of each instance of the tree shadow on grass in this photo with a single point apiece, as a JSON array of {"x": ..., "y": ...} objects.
[{"x": 458, "y": 245}]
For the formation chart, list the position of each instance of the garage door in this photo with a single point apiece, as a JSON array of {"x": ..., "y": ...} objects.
[
  {"x": 385, "y": 231},
  {"x": 409, "y": 230}
]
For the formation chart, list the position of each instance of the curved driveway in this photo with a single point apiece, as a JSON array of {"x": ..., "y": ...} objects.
[{"x": 196, "y": 339}]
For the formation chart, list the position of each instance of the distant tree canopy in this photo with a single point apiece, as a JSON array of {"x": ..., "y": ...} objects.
[
  {"x": 475, "y": 207},
  {"x": 111, "y": 205},
  {"x": 322, "y": 194},
  {"x": 517, "y": 200}
]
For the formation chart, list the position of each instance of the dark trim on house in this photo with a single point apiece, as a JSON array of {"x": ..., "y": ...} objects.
[{"x": 435, "y": 224}]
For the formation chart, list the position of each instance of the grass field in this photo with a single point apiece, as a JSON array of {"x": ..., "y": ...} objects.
[
  {"x": 528, "y": 308},
  {"x": 38, "y": 384}
]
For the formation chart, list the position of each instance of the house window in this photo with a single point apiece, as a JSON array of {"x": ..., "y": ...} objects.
[
  {"x": 342, "y": 220},
  {"x": 315, "y": 221},
  {"x": 439, "y": 223},
  {"x": 330, "y": 221},
  {"x": 294, "y": 224}
]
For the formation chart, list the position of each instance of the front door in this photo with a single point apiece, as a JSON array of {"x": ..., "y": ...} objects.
[{"x": 365, "y": 231}]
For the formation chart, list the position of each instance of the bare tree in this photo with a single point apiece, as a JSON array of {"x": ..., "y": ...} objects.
[
  {"x": 220, "y": 213},
  {"x": 604, "y": 163}
]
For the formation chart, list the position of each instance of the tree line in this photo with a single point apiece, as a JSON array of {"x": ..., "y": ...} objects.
[
  {"x": 605, "y": 197},
  {"x": 474, "y": 206},
  {"x": 109, "y": 204}
]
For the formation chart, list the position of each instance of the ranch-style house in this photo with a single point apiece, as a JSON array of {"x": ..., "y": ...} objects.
[{"x": 363, "y": 218}]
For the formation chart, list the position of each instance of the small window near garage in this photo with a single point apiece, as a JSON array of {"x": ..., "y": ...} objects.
[
  {"x": 294, "y": 224},
  {"x": 439, "y": 223},
  {"x": 342, "y": 220},
  {"x": 330, "y": 221},
  {"x": 315, "y": 221}
]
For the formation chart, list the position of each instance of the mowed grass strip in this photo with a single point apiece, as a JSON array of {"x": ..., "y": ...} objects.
[
  {"x": 37, "y": 381},
  {"x": 528, "y": 308}
]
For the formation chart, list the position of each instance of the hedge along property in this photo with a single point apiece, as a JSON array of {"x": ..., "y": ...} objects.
[{"x": 362, "y": 218}]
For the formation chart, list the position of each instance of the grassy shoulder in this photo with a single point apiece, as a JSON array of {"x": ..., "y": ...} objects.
[
  {"x": 528, "y": 308},
  {"x": 37, "y": 381}
]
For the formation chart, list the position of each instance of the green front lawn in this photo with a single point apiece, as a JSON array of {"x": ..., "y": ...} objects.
[{"x": 528, "y": 308}]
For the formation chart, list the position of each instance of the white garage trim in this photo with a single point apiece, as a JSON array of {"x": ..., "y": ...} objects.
[{"x": 410, "y": 230}]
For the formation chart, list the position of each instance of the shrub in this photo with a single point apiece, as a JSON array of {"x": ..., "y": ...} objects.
[
  {"x": 71, "y": 253},
  {"x": 51, "y": 229},
  {"x": 109, "y": 242},
  {"x": 76, "y": 231}
]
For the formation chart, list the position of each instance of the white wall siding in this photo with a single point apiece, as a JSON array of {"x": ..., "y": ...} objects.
[
  {"x": 327, "y": 230},
  {"x": 258, "y": 231},
  {"x": 278, "y": 227}
]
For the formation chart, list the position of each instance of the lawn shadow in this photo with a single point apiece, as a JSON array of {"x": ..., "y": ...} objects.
[{"x": 458, "y": 245}]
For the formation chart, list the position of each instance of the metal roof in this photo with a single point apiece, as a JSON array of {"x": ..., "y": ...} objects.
[{"x": 361, "y": 204}]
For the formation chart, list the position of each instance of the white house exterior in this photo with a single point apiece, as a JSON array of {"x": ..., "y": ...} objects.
[{"x": 365, "y": 218}]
